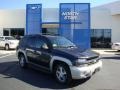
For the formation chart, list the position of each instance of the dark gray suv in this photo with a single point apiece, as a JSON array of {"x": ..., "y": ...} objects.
[{"x": 57, "y": 55}]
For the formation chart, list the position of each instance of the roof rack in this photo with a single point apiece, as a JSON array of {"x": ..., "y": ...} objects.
[
  {"x": 50, "y": 34},
  {"x": 45, "y": 34}
]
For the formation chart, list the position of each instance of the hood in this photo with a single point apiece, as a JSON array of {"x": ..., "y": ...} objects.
[{"x": 76, "y": 53}]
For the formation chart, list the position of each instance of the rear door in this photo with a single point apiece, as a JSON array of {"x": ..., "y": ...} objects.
[{"x": 30, "y": 50}]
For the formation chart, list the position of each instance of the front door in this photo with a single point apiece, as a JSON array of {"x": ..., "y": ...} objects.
[
  {"x": 36, "y": 54},
  {"x": 30, "y": 50},
  {"x": 42, "y": 54}
]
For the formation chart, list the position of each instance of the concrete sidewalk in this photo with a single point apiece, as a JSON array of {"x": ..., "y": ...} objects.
[
  {"x": 4, "y": 52},
  {"x": 106, "y": 51}
]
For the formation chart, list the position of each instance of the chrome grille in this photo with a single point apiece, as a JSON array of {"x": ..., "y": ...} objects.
[{"x": 90, "y": 58}]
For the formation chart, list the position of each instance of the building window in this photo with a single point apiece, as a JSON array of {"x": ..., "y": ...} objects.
[
  {"x": 101, "y": 38},
  {"x": 6, "y": 32},
  {"x": 52, "y": 31},
  {"x": 15, "y": 32}
]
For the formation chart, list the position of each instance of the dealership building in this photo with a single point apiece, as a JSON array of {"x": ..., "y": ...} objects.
[{"x": 105, "y": 23}]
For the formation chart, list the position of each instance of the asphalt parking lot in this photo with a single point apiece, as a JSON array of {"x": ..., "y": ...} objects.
[
  {"x": 12, "y": 77},
  {"x": 4, "y": 53}
]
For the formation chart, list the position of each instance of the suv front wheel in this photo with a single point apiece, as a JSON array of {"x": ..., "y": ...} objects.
[
  {"x": 22, "y": 61},
  {"x": 62, "y": 73}
]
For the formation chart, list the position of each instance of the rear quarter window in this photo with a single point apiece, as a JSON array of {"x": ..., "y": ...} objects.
[{"x": 31, "y": 42}]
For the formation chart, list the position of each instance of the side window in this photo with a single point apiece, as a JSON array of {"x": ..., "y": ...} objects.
[
  {"x": 1, "y": 38},
  {"x": 37, "y": 42},
  {"x": 31, "y": 42},
  {"x": 40, "y": 42},
  {"x": 6, "y": 38},
  {"x": 23, "y": 41}
]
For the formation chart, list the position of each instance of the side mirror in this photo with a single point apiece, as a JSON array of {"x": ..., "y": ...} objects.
[{"x": 44, "y": 46}]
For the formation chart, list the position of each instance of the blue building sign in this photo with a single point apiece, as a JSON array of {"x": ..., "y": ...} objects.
[
  {"x": 33, "y": 19},
  {"x": 75, "y": 23}
]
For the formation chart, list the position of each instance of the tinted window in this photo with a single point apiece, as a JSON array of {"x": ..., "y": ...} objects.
[
  {"x": 36, "y": 42},
  {"x": 23, "y": 41},
  {"x": 40, "y": 42},
  {"x": 101, "y": 38},
  {"x": 61, "y": 42},
  {"x": 31, "y": 42},
  {"x": 1, "y": 38}
]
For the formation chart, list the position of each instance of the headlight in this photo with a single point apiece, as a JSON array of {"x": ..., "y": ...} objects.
[{"x": 80, "y": 62}]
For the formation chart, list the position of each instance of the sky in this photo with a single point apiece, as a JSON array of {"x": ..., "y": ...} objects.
[{"x": 21, "y": 4}]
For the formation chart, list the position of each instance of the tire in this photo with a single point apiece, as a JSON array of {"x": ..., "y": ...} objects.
[
  {"x": 62, "y": 73},
  {"x": 6, "y": 47},
  {"x": 22, "y": 61}
]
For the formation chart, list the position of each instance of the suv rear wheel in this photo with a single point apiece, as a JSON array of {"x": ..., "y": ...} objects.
[
  {"x": 22, "y": 61},
  {"x": 62, "y": 73},
  {"x": 6, "y": 47}
]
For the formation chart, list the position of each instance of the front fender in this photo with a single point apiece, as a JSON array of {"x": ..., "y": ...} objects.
[
  {"x": 54, "y": 58},
  {"x": 23, "y": 52}
]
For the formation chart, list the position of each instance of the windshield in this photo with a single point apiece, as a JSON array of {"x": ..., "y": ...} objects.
[
  {"x": 61, "y": 42},
  {"x": 10, "y": 38}
]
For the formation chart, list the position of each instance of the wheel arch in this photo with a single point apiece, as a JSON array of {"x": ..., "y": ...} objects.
[
  {"x": 57, "y": 59},
  {"x": 19, "y": 52},
  {"x": 6, "y": 44}
]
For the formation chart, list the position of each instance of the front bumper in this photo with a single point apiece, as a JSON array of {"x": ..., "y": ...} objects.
[{"x": 84, "y": 72}]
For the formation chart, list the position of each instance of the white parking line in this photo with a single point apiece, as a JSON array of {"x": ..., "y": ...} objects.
[{"x": 6, "y": 55}]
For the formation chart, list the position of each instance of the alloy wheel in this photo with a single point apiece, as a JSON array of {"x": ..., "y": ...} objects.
[{"x": 61, "y": 74}]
